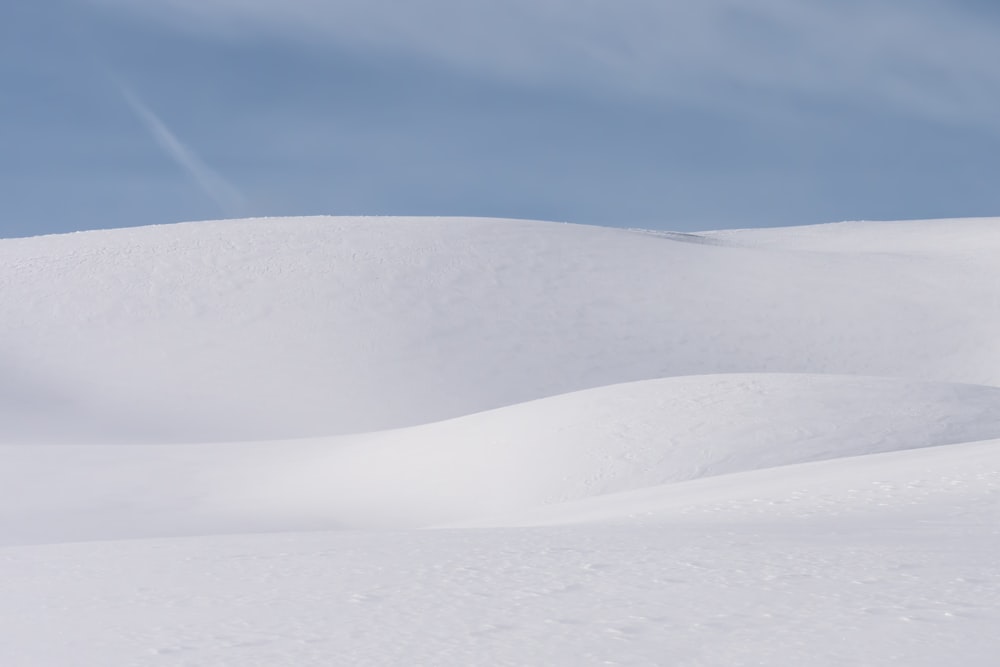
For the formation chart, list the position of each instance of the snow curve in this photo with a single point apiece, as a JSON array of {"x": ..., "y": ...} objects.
[
  {"x": 276, "y": 328},
  {"x": 553, "y": 450}
]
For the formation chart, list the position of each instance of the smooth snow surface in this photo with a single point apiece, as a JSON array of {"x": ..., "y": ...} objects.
[
  {"x": 255, "y": 329},
  {"x": 568, "y": 447},
  {"x": 773, "y": 447}
]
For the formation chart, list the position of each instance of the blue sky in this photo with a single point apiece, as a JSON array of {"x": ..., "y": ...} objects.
[{"x": 684, "y": 115}]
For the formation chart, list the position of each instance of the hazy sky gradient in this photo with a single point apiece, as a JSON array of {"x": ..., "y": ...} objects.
[{"x": 675, "y": 115}]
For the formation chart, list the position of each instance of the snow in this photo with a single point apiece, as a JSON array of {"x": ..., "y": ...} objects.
[
  {"x": 406, "y": 441},
  {"x": 553, "y": 450},
  {"x": 262, "y": 329}
]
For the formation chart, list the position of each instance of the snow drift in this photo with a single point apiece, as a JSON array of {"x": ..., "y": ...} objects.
[
  {"x": 655, "y": 448},
  {"x": 579, "y": 445},
  {"x": 256, "y": 329}
]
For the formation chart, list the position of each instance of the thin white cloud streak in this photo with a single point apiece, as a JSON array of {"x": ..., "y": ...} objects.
[
  {"x": 227, "y": 197},
  {"x": 927, "y": 58}
]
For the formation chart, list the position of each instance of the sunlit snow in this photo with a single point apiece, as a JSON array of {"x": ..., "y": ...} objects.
[{"x": 443, "y": 441}]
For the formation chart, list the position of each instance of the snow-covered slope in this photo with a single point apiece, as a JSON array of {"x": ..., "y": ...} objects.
[
  {"x": 879, "y": 560},
  {"x": 774, "y": 447},
  {"x": 965, "y": 239},
  {"x": 315, "y": 326},
  {"x": 568, "y": 447}
]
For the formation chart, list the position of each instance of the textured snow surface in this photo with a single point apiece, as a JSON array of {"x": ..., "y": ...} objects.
[{"x": 219, "y": 443}]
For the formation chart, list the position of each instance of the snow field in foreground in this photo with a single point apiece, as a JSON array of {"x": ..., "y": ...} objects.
[{"x": 895, "y": 564}]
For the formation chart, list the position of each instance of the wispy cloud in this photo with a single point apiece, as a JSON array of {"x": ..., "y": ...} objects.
[
  {"x": 227, "y": 197},
  {"x": 928, "y": 58}
]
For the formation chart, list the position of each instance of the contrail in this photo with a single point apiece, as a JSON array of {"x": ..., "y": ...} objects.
[{"x": 229, "y": 199}]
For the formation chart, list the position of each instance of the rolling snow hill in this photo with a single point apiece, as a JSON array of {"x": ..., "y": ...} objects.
[
  {"x": 781, "y": 447},
  {"x": 254, "y": 329}
]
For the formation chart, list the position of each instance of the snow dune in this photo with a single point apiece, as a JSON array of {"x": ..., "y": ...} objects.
[
  {"x": 260, "y": 329},
  {"x": 770, "y": 447},
  {"x": 574, "y": 446}
]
